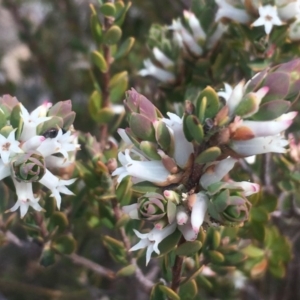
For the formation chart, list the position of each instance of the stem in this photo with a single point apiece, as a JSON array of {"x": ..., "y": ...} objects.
[
  {"x": 176, "y": 270},
  {"x": 105, "y": 82},
  {"x": 79, "y": 260}
]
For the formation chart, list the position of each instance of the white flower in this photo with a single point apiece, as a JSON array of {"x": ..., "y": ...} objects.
[
  {"x": 9, "y": 146},
  {"x": 33, "y": 143},
  {"x": 56, "y": 186},
  {"x": 195, "y": 25},
  {"x": 198, "y": 211},
  {"x": 248, "y": 188},
  {"x": 260, "y": 145},
  {"x": 217, "y": 34},
  {"x": 146, "y": 170},
  {"x": 226, "y": 93},
  {"x": 182, "y": 215},
  {"x": 25, "y": 198},
  {"x": 62, "y": 143},
  {"x": 294, "y": 30},
  {"x": 4, "y": 170},
  {"x": 131, "y": 210},
  {"x": 182, "y": 147},
  {"x": 216, "y": 171},
  {"x": 185, "y": 39},
  {"x": 162, "y": 58},
  {"x": 156, "y": 72},
  {"x": 287, "y": 9},
  {"x": 152, "y": 239},
  {"x": 268, "y": 17},
  {"x": 31, "y": 121},
  {"x": 237, "y": 95},
  {"x": 230, "y": 12},
  {"x": 268, "y": 128},
  {"x": 187, "y": 231}
]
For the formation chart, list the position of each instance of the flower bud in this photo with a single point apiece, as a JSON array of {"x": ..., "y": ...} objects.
[
  {"x": 152, "y": 207},
  {"x": 228, "y": 209},
  {"x": 28, "y": 167}
]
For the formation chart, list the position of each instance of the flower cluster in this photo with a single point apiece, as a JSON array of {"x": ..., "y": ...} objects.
[
  {"x": 31, "y": 144},
  {"x": 188, "y": 158},
  {"x": 186, "y": 40},
  {"x": 189, "y": 42},
  {"x": 258, "y": 14}
]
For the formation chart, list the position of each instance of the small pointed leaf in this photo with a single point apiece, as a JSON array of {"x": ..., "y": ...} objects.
[
  {"x": 99, "y": 61},
  {"x": 209, "y": 155},
  {"x": 112, "y": 35}
]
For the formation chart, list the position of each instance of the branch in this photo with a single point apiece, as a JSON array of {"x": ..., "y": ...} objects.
[
  {"x": 77, "y": 259},
  {"x": 82, "y": 261},
  {"x": 176, "y": 270}
]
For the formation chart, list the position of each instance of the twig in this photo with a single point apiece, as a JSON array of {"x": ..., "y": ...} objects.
[
  {"x": 105, "y": 82},
  {"x": 79, "y": 260},
  {"x": 267, "y": 160},
  {"x": 44, "y": 293},
  {"x": 176, "y": 270}
]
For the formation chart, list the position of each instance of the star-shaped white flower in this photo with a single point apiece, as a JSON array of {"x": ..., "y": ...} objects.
[
  {"x": 32, "y": 120},
  {"x": 25, "y": 198},
  {"x": 152, "y": 239},
  {"x": 268, "y": 17},
  {"x": 8, "y": 146},
  {"x": 62, "y": 143},
  {"x": 56, "y": 186}
]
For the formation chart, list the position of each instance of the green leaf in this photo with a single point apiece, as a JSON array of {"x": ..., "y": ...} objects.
[
  {"x": 208, "y": 155},
  {"x": 121, "y": 11},
  {"x": 104, "y": 115},
  {"x": 65, "y": 244},
  {"x": 54, "y": 122},
  {"x": 99, "y": 61},
  {"x": 117, "y": 86},
  {"x": 277, "y": 270},
  {"x": 124, "y": 192},
  {"x": 271, "y": 110},
  {"x": 156, "y": 293},
  {"x": 96, "y": 27},
  {"x": 194, "y": 128},
  {"x": 215, "y": 256},
  {"x": 112, "y": 35},
  {"x": 125, "y": 48},
  {"x": 269, "y": 203},
  {"x": 47, "y": 258},
  {"x": 188, "y": 290},
  {"x": 201, "y": 108},
  {"x": 169, "y": 293},
  {"x": 94, "y": 104},
  {"x": 144, "y": 187},
  {"x": 2, "y": 119},
  {"x": 58, "y": 220},
  {"x": 212, "y": 103},
  {"x": 253, "y": 251},
  {"x": 168, "y": 243},
  {"x": 126, "y": 271},
  {"x": 259, "y": 214},
  {"x": 115, "y": 248},
  {"x": 16, "y": 120},
  {"x": 108, "y": 9},
  {"x": 188, "y": 248},
  {"x": 204, "y": 282}
]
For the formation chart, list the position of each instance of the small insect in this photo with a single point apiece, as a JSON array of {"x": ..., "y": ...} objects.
[{"x": 50, "y": 133}]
